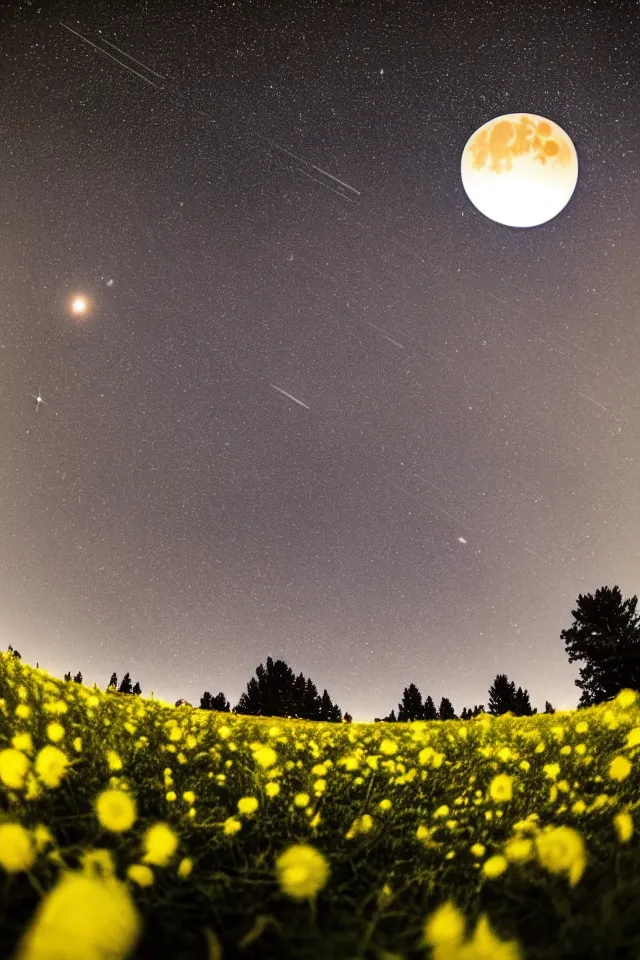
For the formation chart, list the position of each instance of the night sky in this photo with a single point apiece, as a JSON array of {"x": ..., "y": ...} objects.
[{"x": 279, "y": 205}]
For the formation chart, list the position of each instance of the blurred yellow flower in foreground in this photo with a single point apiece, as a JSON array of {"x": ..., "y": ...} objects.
[
  {"x": 83, "y": 918},
  {"x": 302, "y": 871}
]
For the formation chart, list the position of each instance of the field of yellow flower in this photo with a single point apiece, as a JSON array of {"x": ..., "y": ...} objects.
[{"x": 129, "y": 828}]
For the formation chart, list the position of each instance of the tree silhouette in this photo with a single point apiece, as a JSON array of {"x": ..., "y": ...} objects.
[
  {"x": 15, "y": 653},
  {"x": 429, "y": 711},
  {"x": 347, "y": 718},
  {"x": 548, "y": 708},
  {"x": 446, "y": 711},
  {"x": 270, "y": 692},
  {"x": 67, "y": 677},
  {"x": 411, "y": 707},
  {"x": 137, "y": 689},
  {"x": 329, "y": 712},
  {"x": 125, "y": 686},
  {"x": 501, "y": 695},
  {"x": 205, "y": 701},
  {"x": 606, "y": 636},
  {"x": 521, "y": 704},
  {"x": 113, "y": 683},
  {"x": 220, "y": 703},
  {"x": 78, "y": 677},
  {"x": 276, "y": 692},
  {"x": 391, "y": 718}
]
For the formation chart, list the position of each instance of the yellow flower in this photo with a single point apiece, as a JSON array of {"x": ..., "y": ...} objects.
[
  {"x": 551, "y": 770},
  {"x": 562, "y": 850},
  {"x": 116, "y": 810},
  {"x": 442, "y": 811},
  {"x": 77, "y": 745},
  {"x": 494, "y": 866},
  {"x": 501, "y": 788},
  {"x": 51, "y": 765},
  {"x": 445, "y": 926},
  {"x": 99, "y": 862},
  {"x": 247, "y": 805},
  {"x": 388, "y": 747},
  {"x": 519, "y": 850},
  {"x": 160, "y": 843},
  {"x": 13, "y": 768},
  {"x": 624, "y": 826},
  {"x": 140, "y": 874},
  {"x": 171, "y": 796},
  {"x": 272, "y": 789},
  {"x": 55, "y": 732},
  {"x": 185, "y": 867},
  {"x": 633, "y": 737},
  {"x": 114, "y": 761},
  {"x": 265, "y": 756},
  {"x": 16, "y": 848},
  {"x": 485, "y": 945},
  {"x": 385, "y": 804},
  {"x": 301, "y": 799},
  {"x": 478, "y": 850},
  {"x": 579, "y": 806},
  {"x": 83, "y": 918},
  {"x": 626, "y": 698},
  {"x": 189, "y": 796},
  {"x": 302, "y": 871},
  {"x": 23, "y": 711},
  {"x": 23, "y": 741},
  {"x": 231, "y": 826},
  {"x": 42, "y": 837},
  {"x": 620, "y": 768}
]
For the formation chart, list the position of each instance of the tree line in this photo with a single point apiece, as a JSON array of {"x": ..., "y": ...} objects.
[{"x": 605, "y": 635}]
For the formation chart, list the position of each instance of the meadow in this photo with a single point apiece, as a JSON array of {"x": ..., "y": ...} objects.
[{"x": 131, "y": 828}]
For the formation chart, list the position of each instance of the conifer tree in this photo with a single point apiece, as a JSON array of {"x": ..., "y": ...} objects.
[
  {"x": 411, "y": 707},
  {"x": 137, "y": 689},
  {"x": 429, "y": 711},
  {"x": 113, "y": 683},
  {"x": 606, "y": 636},
  {"x": 220, "y": 703},
  {"x": 125, "y": 686},
  {"x": 521, "y": 703},
  {"x": 446, "y": 711},
  {"x": 67, "y": 677},
  {"x": 548, "y": 708},
  {"x": 78, "y": 677},
  {"x": 391, "y": 718},
  {"x": 501, "y": 695},
  {"x": 205, "y": 701}
]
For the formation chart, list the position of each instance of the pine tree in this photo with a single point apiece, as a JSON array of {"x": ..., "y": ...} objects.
[
  {"x": 270, "y": 692},
  {"x": 67, "y": 677},
  {"x": 501, "y": 695},
  {"x": 205, "y": 701},
  {"x": 220, "y": 703},
  {"x": 347, "y": 718},
  {"x": 78, "y": 677},
  {"x": 411, "y": 707},
  {"x": 311, "y": 702},
  {"x": 125, "y": 686},
  {"x": 113, "y": 683},
  {"x": 521, "y": 703},
  {"x": 15, "y": 653},
  {"x": 429, "y": 712},
  {"x": 446, "y": 711},
  {"x": 137, "y": 689},
  {"x": 606, "y": 636},
  {"x": 548, "y": 708},
  {"x": 391, "y": 718}
]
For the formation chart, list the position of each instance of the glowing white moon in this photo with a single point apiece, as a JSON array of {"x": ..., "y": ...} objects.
[{"x": 519, "y": 169}]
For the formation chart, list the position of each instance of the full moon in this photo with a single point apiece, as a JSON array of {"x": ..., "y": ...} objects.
[{"x": 519, "y": 169}]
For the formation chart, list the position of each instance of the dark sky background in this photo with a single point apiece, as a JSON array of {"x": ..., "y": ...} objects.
[{"x": 168, "y": 512}]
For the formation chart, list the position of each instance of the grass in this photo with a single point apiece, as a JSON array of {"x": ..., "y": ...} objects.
[{"x": 491, "y": 839}]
